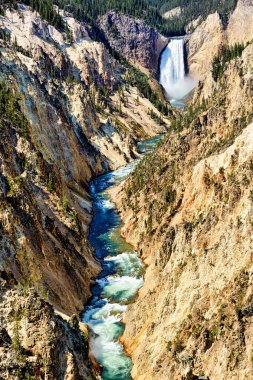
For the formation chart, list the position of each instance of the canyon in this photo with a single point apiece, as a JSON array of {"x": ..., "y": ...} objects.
[{"x": 78, "y": 101}]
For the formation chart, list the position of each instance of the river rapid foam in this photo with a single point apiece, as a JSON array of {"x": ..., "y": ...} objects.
[{"x": 120, "y": 279}]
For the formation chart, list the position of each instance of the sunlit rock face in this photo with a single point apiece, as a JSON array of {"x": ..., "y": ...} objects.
[
  {"x": 203, "y": 44},
  {"x": 206, "y": 40},
  {"x": 238, "y": 31},
  {"x": 34, "y": 340}
]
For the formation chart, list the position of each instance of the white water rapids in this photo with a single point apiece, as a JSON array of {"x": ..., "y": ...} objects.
[
  {"x": 120, "y": 279},
  {"x": 173, "y": 76}
]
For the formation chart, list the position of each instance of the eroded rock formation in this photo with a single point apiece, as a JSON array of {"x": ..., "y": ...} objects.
[
  {"x": 134, "y": 39},
  {"x": 211, "y": 34},
  {"x": 35, "y": 343}
]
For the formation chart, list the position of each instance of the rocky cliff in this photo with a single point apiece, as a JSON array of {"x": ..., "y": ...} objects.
[
  {"x": 187, "y": 209},
  {"x": 134, "y": 39},
  {"x": 46, "y": 167},
  {"x": 203, "y": 44},
  {"x": 211, "y": 34},
  {"x": 36, "y": 343},
  {"x": 240, "y": 28}
]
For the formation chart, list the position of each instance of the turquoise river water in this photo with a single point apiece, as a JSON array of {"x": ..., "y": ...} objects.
[{"x": 120, "y": 279}]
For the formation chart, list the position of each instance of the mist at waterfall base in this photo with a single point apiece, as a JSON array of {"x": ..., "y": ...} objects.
[
  {"x": 120, "y": 279},
  {"x": 173, "y": 76}
]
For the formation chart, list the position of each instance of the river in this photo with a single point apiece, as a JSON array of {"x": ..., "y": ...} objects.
[{"x": 120, "y": 279}]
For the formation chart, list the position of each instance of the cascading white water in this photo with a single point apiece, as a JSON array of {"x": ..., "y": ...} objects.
[
  {"x": 172, "y": 63},
  {"x": 173, "y": 76}
]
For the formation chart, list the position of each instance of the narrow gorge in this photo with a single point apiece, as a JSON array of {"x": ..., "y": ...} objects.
[{"x": 126, "y": 178}]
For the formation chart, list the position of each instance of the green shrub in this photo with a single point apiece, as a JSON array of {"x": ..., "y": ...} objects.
[{"x": 50, "y": 184}]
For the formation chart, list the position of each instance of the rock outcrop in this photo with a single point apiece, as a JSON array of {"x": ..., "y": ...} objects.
[
  {"x": 203, "y": 44},
  {"x": 36, "y": 343},
  {"x": 134, "y": 39},
  {"x": 175, "y": 12},
  {"x": 240, "y": 26},
  {"x": 211, "y": 34}
]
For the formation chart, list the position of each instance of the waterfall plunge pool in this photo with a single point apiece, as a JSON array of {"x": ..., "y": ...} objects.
[{"x": 120, "y": 279}]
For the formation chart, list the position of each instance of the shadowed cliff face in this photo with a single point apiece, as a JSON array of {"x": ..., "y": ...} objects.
[
  {"x": 135, "y": 40},
  {"x": 45, "y": 210}
]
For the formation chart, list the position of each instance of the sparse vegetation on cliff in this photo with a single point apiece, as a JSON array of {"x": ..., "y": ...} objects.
[
  {"x": 226, "y": 54},
  {"x": 10, "y": 111},
  {"x": 135, "y": 77},
  {"x": 34, "y": 341},
  {"x": 44, "y": 8}
]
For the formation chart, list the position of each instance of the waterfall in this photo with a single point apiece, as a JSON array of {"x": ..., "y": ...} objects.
[
  {"x": 173, "y": 76},
  {"x": 172, "y": 63}
]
